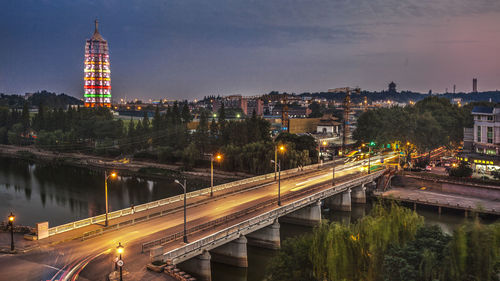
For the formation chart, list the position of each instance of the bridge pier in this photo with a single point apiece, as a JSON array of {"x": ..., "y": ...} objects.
[
  {"x": 198, "y": 266},
  {"x": 358, "y": 195},
  {"x": 233, "y": 253},
  {"x": 308, "y": 216},
  {"x": 267, "y": 237},
  {"x": 340, "y": 202}
]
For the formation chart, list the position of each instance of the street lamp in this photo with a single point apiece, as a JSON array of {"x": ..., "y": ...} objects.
[
  {"x": 119, "y": 250},
  {"x": 106, "y": 177},
  {"x": 282, "y": 150},
  {"x": 11, "y": 224},
  {"x": 370, "y": 156},
  {"x": 217, "y": 157},
  {"x": 184, "y": 187},
  {"x": 279, "y": 180}
]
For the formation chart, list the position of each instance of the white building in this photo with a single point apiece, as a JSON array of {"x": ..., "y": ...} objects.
[
  {"x": 486, "y": 130},
  {"x": 328, "y": 125}
]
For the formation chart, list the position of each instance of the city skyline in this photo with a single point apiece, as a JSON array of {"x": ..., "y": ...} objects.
[{"x": 188, "y": 50}]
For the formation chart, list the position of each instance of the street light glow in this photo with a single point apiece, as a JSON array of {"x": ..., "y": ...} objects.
[
  {"x": 119, "y": 249},
  {"x": 113, "y": 174},
  {"x": 11, "y": 217},
  {"x": 282, "y": 148},
  {"x": 218, "y": 157},
  {"x": 324, "y": 143}
]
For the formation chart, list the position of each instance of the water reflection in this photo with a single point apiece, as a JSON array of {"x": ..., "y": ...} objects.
[{"x": 60, "y": 194}]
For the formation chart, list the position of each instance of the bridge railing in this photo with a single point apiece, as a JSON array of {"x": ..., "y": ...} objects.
[
  {"x": 176, "y": 198},
  {"x": 165, "y": 201},
  {"x": 231, "y": 232}
]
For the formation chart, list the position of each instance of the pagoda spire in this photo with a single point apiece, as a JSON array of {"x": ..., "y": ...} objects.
[{"x": 96, "y": 35}]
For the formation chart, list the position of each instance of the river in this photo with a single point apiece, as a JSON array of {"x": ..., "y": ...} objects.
[{"x": 60, "y": 194}]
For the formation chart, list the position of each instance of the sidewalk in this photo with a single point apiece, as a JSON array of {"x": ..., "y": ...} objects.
[{"x": 20, "y": 244}]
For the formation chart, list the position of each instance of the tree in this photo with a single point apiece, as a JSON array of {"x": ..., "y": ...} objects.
[
  {"x": 145, "y": 123},
  {"x": 201, "y": 137},
  {"x": 315, "y": 108},
  {"x": 462, "y": 171},
  {"x": 292, "y": 262},
  {"x": 186, "y": 114},
  {"x": 25, "y": 116},
  {"x": 421, "y": 259}
]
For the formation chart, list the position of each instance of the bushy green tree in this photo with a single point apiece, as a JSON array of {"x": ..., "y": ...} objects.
[
  {"x": 463, "y": 170},
  {"x": 292, "y": 262}
]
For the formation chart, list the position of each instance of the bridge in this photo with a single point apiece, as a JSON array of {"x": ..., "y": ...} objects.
[
  {"x": 218, "y": 227},
  {"x": 229, "y": 245}
]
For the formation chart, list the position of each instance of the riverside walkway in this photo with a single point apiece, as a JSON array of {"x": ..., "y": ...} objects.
[{"x": 442, "y": 200}]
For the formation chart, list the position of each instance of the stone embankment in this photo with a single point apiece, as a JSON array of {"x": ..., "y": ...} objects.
[
  {"x": 132, "y": 167},
  {"x": 443, "y": 193}
]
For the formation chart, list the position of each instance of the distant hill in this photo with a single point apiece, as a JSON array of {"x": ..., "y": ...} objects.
[
  {"x": 48, "y": 99},
  {"x": 406, "y": 96}
]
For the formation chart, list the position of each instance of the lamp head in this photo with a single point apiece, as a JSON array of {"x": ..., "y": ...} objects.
[
  {"x": 324, "y": 143},
  {"x": 218, "y": 157},
  {"x": 176, "y": 181},
  {"x": 282, "y": 148},
  {"x": 113, "y": 174},
  {"x": 11, "y": 217},
  {"x": 119, "y": 249}
]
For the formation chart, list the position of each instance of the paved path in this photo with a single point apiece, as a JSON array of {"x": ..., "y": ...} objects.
[{"x": 444, "y": 200}]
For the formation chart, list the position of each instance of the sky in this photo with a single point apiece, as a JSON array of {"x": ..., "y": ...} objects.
[{"x": 187, "y": 49}]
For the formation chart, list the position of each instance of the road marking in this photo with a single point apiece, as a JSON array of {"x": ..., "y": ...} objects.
[{"x": 50, "y": 266}]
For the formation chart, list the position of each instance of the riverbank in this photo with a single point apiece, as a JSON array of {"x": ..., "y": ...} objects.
[
  {"x": 131, "y": 168},
  {"x": 442, "y": 192}
]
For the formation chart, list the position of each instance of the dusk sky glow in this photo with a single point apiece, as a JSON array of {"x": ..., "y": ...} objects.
[{"x": 185, "y": 49}]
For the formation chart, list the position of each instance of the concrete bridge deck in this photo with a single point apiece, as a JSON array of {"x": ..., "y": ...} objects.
[{"x": 258, "y": 219}]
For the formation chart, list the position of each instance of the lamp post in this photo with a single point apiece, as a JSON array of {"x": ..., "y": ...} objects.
[
  {"x": 11, "y": 224},
  {"x": 369, "y": 159},
  {"x": 323, "y": 144},
  {"x": 279, "y": 180},
  {"x": 218, "y": 157},
  {"x": 370, "y": 156},
  {"x": 333, "y": 168},
  {"x": 119, "y": 250},
  {"x": 184, "y": 187},
  {"x": 106, "y": 177},
  {"x": 282, "y": 150}
]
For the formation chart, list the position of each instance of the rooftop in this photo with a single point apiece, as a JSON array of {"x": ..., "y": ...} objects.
[{"x": 483, "y": 109}]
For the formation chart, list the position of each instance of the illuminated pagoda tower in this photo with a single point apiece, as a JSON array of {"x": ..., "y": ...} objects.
[{"x": 97, "y": 71}]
